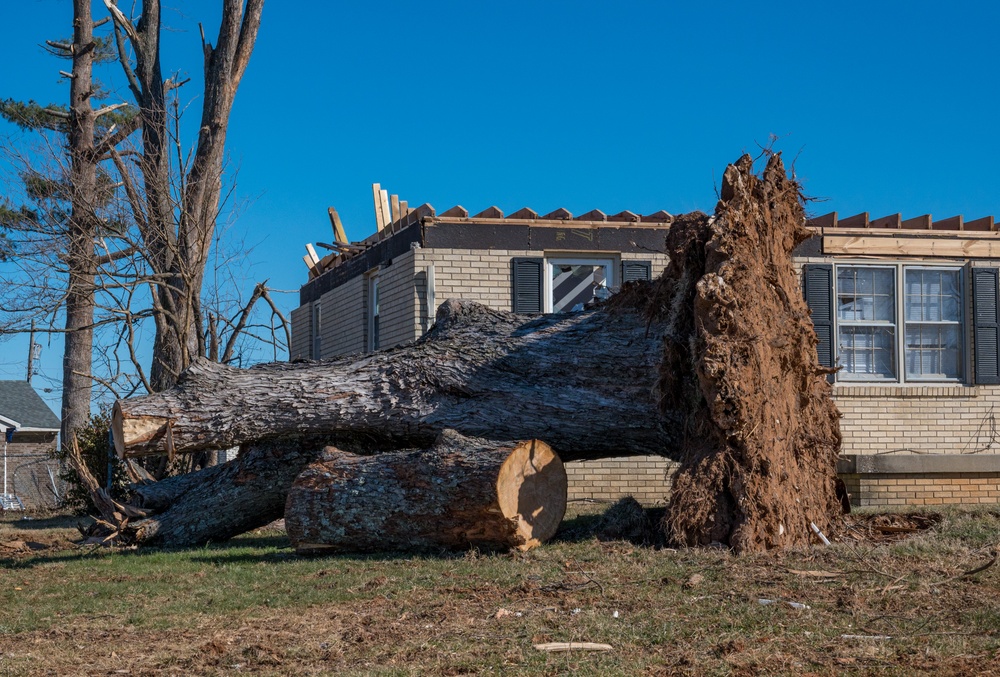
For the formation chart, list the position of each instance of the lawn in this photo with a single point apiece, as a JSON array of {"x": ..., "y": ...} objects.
[{"x": 251, "y": 605}]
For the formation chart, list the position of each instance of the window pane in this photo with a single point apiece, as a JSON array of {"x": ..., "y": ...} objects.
[
  {"x": 866, "y": 352},
  {"x": 865, "y": 294},
  {"x": 933, "y": 351},
  {"x": 932, "y": 296},
  {"x": 574, "y": 285}
]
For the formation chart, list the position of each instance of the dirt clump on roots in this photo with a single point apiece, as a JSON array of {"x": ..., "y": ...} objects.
[{"x": 747, "y": 406}]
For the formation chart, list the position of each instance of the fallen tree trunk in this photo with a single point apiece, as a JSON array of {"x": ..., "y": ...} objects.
[
  {"x": 583, "y": 382},
  {"x": 464, "y": 492},
  {"x": 226, "y": 500},
  {"x": 715, "y": 365}
]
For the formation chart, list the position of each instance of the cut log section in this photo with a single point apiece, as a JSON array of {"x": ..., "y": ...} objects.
[{"x": 464, "y": 492}]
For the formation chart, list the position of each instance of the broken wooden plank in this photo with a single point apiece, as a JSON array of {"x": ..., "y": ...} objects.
[
  {"x": 386, "y": 214},
  {"x": 339, "y": 235},
  {"x": 394, "y": 207},
  {"x": 312, "y": 253},
  {"x": 379, "y": 214}
]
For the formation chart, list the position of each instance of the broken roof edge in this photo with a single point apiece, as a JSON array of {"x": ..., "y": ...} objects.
[
  {"x": 926, "y": 222},
  {"x": 525, "y": 216}
]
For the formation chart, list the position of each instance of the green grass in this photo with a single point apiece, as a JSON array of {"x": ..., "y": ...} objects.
[{"x": 253, "y": 603}]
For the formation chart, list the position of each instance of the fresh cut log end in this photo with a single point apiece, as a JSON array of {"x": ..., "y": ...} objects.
[
  {"x": 462, "y": 492},
  {"x": 531, "y": 489}
]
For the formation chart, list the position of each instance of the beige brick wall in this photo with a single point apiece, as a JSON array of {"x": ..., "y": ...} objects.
[
  {"x": 301, "y": 348},
  {"x": 343, "y": 325},
  {"x": 918, "y": 419},
  {"x": 399, "y": 305},
  {"x": 646, "y": 478},
  {"x": 484, "y": 275},
  {"x": 912, "y": 489}
]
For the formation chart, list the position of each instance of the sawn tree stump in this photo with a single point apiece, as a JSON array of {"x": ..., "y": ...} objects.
[{"x": 464, "y": 492}]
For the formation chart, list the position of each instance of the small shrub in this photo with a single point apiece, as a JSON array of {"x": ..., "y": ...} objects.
[{"x": 94, "y": 441}]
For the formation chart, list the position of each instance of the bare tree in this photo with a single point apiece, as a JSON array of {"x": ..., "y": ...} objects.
[
  {"x": 73, "y": 193},
  {"x": 110, "y": 233},
  {"x": 177, "y": 227}
]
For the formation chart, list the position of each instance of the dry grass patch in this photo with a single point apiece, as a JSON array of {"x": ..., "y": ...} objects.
[{"x": 252, "y": 605}]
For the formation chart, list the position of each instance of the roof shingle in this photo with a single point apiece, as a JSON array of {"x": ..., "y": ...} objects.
[{"x": 19, "y": 402}]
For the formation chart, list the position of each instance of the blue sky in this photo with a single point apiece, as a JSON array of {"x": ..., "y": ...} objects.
[{"x": 889, "y": 107}]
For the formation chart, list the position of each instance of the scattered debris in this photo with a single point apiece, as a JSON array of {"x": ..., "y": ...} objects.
[
  {"x": 694, "y": 580},
  {"x": 826, "y": 541},
  {"x": 865, "y": 637},
  {"x": 792, "y": 605},
  {"x": 573, "y": 646}
]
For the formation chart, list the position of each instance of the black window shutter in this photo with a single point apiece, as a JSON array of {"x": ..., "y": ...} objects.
[
  {"x": 637, "y": 270},
  {"x": 527, "y": 285},
  {"x": 818, "y": 290},
  {"x": 986, "y": 324}
]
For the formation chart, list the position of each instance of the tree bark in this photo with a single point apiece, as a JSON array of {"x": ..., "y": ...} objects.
[
  {"x": 226, "y": 500},
  {"x": 583, "y": 382},
  {"x": 464, "y": 492},
  {"x": 82, "y": 232}
]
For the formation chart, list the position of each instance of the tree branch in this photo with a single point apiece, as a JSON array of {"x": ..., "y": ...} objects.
[
  {"x": 274, "y": 309},
  {"x": 62, "y": 115},
  {"x": 133, "y": 81},
  {"x": 248, "y": 36},
  {"x": 227, "y": 355},
  {"x": 108, "y": 109}
]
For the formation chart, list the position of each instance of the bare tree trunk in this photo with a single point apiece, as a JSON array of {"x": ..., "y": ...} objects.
[
  {"x": 464, "y": 492},
  {"x": 81, "y": 260}
]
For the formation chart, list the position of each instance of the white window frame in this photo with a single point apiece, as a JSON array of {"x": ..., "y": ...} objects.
[
  {"x": 899, "y": 323},
  {"x": 609, "y": 267}
]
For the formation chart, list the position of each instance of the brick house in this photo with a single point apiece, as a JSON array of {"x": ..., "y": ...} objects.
[
  {"x": 30, "y": 432},
  {"x": 908, "y": 309}
]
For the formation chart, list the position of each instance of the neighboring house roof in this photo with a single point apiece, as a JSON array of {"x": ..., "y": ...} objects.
[{"x": 21, "y": 405}]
